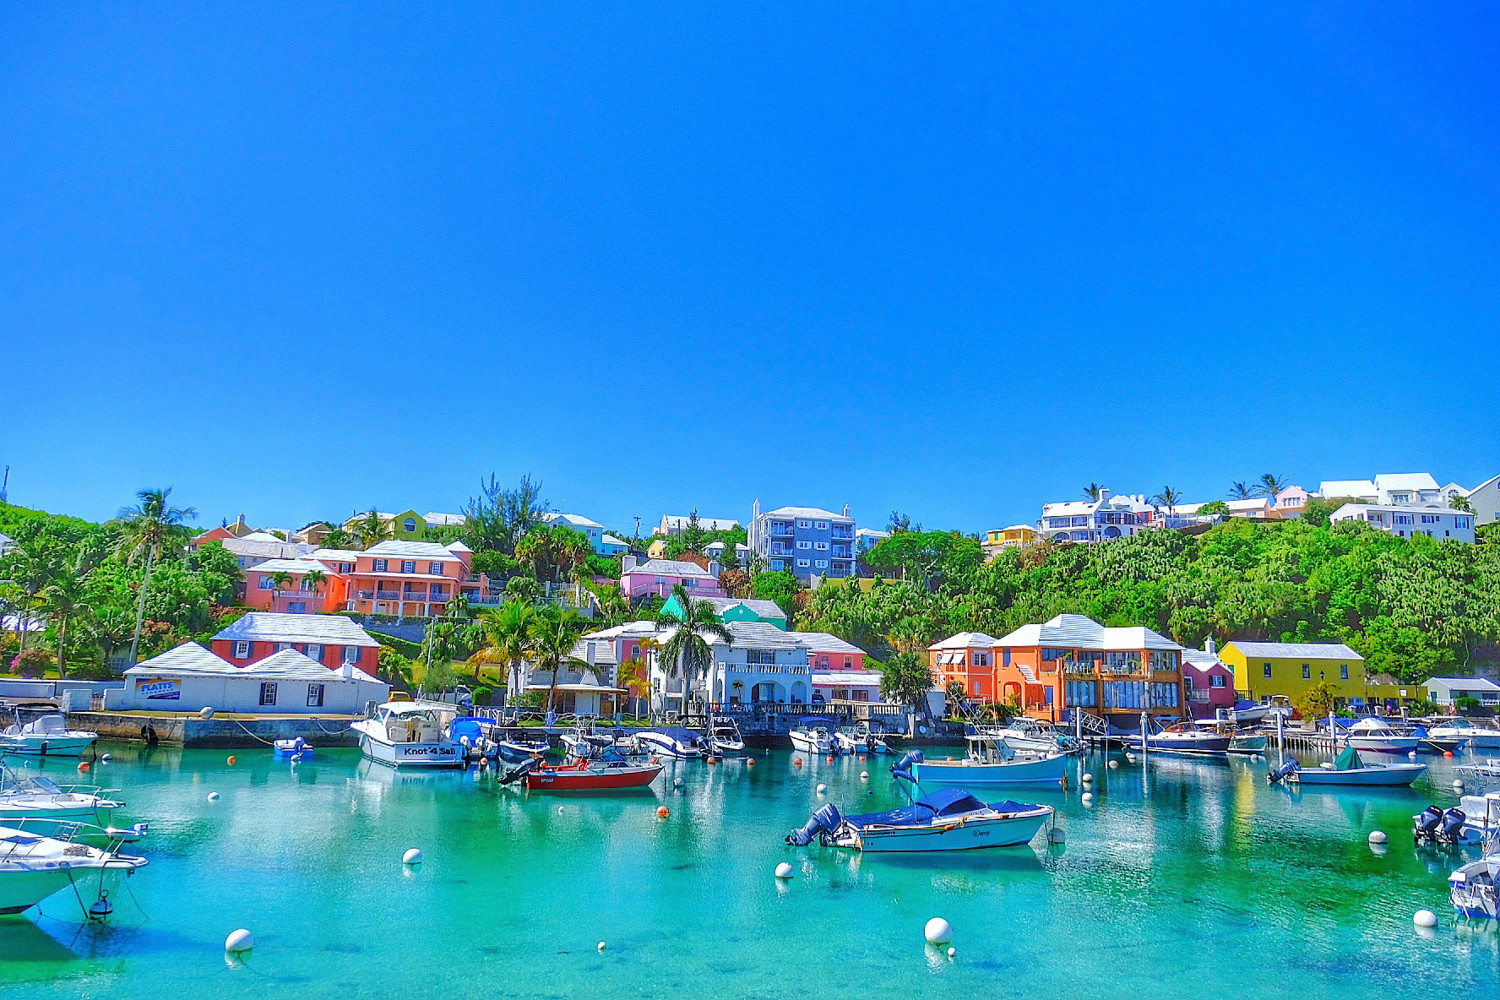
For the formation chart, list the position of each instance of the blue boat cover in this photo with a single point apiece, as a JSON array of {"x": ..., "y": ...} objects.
[
  {"x": 681, "y": 734},
  {"x": 466, "y": 726},
  {"x": 945, "y": 802}
]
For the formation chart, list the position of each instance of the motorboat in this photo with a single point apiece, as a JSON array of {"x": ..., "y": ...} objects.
[
  {"x": 857, "y": 738},
  {"x": 516, "y": 751},
  {"x": 295, "y": 749},
  {"x": 408, "y": 734},
  {"x": 1471, "y": 734},
  {"x": 584, "y": 741},
  {"x": 26, "y": 796},
  {"x": 610, "y": 771},
  {"x": 1030, "y": 734},
  {"x": 1182, "y": 738},
  {"x": 33, "y": 866},
  {"x": 1471, "y": 887},
  {"x": 724, "y": 737},
  {"x": 991, "y": 761},
  {"x": 677, "y": 742},
  {"x": 949, "y": 819},
  {"x": 47, "y": 736},
  {"x": 1347, "y": 769},
  {"x": 811, "y": 735},
  {"x": 1377, "y": 736}
]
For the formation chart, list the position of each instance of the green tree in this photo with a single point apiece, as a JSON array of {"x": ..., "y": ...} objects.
[
  {"x": 906, "y": 679},
  {"x": 1168, "y": 498},
  {"x": 1460, "y": 503},
  {"x": 1238, "y": 490},
  {"x": 150, "y": 529},
  {"x": 1092, "y": 492},
  {"x": 370, "y": 528},
  {"x": 554, "y": 633},
  {"x": 500, "y": 516},
  {"x": 1270, "y": 485},
  {"x": 777, "y": 585},
  {"x": 507, "y": 638},
  {"x": 687, "y": 653},
  {"x": 66, "y": 598},
  {"x": 1317, "y": 701}
]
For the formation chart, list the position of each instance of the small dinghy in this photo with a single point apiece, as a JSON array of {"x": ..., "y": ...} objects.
[
  {"x": 1348, "y": 769},
  {"x": 296, "y": 749}
]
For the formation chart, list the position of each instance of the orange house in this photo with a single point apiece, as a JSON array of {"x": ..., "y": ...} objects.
[
  {"x": 295, "y": 594},
  {"x": 1074, "y": 663},
  {"x": 969, "y": 659},
  {"x": 408, "y": 579}
]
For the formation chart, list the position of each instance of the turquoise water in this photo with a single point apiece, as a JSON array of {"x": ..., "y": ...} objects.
[{"x": 1188, "y": 875}]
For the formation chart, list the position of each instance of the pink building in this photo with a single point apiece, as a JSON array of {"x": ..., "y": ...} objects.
[
  {"x": 295, "y": 586},
  {"x": 1291, "y": 501},
  {"x": 1208, "y": 683},
  {"x": 657, "y": 577},
  {"x": 838, "y": 669}
]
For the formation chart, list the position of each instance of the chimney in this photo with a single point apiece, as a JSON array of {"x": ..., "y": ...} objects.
[
  {"x": 346, "y": 671},
  {"x": 627, "y": 563},
  {"x": 1103, "y": 493},
  {"x": 1209, "y": 646},
  {"x": 715, "y": 568},
  {"x": 846, "y": 510},
  {"x": 240, "y": 521},
  {"x": 588, "y": 653}
]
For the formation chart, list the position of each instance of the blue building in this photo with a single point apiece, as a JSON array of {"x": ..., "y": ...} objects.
[{"x": 809, "y": 541}]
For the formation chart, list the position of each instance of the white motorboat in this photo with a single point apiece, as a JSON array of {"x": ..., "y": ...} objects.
[
  {"x": 724, "y": 737},
  {"x": 47, "y": 736},
  {"x": 1022, "y": 733},
  {"x": 406, "y": 734},
  {"x": 1183, "y": 738},
  {"x": 677, "y": 742},
  {"x": 950, "y": 819},
  {"x": 1473, "y": 734},
  {"x": 25, "y": 796},
  {"x": 1375, "y": 735},
  {"x": 1472, "y": 887},
  {"x": 33, "y": 866},
  {"x": 858, "y": 739},
  {"x": 991, "y": 761},
  {"x": 811, "y": 735}
]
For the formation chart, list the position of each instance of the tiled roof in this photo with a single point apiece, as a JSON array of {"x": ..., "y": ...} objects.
[
  {"x": 669, "y": 567},
  {"x": 817, "y": 513},
  {"x": 409, "y": 550},
  {"x": 258, "y": 548},
  {"x": 328, "y": 630},
  {"x": 1082, "y": 632},
  {"x": 572, "y": 520},
  {"x": 765, "y": 609},
  {"x": 966, "y": 640},
  {"x": 825, "y": 642},
  {"x": 439, "y": 518},
  {"x": 188, "y": 656},
  {"x": 1311, "y": 650}
]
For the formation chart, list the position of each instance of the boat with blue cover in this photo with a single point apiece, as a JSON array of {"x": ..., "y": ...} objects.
[
  {"x": 677, "y": 742},
  {"x": 1348, "y": 769}
]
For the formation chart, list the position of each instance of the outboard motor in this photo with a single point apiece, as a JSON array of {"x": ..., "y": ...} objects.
[
  {"x": 519, "y": 771},
  {"x": 825, "y": 820},
  {"x": 1452, "y": 830},
  {"x": 902, "y": 767},
  {"x": 1426, "y": 824},
  {"x": 1280, "y": 774}
]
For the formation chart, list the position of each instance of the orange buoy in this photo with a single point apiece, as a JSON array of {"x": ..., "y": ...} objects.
[
  {"x": 713, "y": 760},
  {"x": 749, "y": 761},
  {"x": 656, "y": 760},
  {"x": 797, "y": 761},
  {"x": 830, "y": 758},
  {"x": 1447, "y": 753},
  {"x": 233, "y": 760},
  {"x": 662, "y": 812},
  {"x": 861, "y": 758},
  {"x": 950, "y": 758},
  {"x": 83, "y": 767}
]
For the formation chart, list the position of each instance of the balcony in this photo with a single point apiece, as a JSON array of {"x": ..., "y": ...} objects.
[
  {"x": 781, "y": 550},
  {"x": 842, "y": 553},
  {"x": 847, "y": 533},
  {"x": 779, "y": 529},
  {"x": 388, "y": 595},
  {"x": 367, "y": 595}
]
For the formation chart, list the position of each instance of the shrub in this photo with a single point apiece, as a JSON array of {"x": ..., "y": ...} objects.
[{"x": 32, "y": 663}]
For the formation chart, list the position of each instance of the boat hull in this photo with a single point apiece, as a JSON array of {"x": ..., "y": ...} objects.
[
  {"x": 591, "y": 780},
  {"x": 1369, "y": 776},
  {"x": 967, "y": 774},
  {"x": 23, "y": 889},
  {"x": 1385, "y": 744},
  {"x": 97, "y": 813},
  {"x": 812, "y": 744},
  {"x": 956, "y": 835},
  {"x": 666, "y": 748},
  {"x": 1192, "y": 744},
  {"x": 439, "y": 754},
  {"x": 40, "y": 746}
]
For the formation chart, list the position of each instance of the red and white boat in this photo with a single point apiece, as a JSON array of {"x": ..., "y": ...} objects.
[{"x": 589, "y": 775}]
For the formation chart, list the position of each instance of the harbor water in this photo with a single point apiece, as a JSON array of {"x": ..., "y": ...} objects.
[{"x": 1181, "y": 877}]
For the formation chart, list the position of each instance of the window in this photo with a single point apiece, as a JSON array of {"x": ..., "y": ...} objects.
[
  {"x": 408, "y": 565},
  {"x": 804, "y": 545},
  {"x": 266, "y": 583},
  {"x": 804, "y": 524},
  {"x": 848, "y": 663},
  {"x": 410, "y": 525},
  {"x": 802, "y": 563},
  {"x": 822, "y": 525},
  {"x": 283, "y": 645},
  {"x": 241, "y": 649},
  {"x": 1266, "y": 671},
  {"x": 821, "y": 546},
  {"x": 1187, "y": 682},
  {"x": 314, "y": 652},
  {"x": 1463, "y": 522},
  {"x": 1307, "y": 671},
  {"x": 1402, "y": 518},
  {"x": 1217, "y": 681},
  {"x": 380, "y": 565},
  {"x": 1431, "y": 519},
  {"x": 435, "y": 569},
  {"x": 981, "y": 659},
  {"x": 315, "y": 696},
  {"x": 821, "y": 563},
  {"x": 268, "y": 693},
  {"x": 1343, "y": 671},
  {"x": 1005, "y": 656},
  {"x": 351, "y": 654}
]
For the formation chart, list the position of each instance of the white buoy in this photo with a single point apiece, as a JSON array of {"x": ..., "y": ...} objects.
[
  {"x": 1058, "y": 835},
  {"x": 676, "y": 782},
  {"x": 1412, "y": 755},
  {"x": 107, "y": 757},
  {"x": 601, "y": 945},
  {"x": 864, "y": 776},
  {"x": 1087, "y": 798},
  {"x": 822, "y": 789},
  {"x": 412, "y": 857},
  {"x": 1130, "y": 757},
  {"x": 1114, "y": 765},
  {"x": 206, "y": 712},
  {"x": 238, "y": 941},
  {"x": 784, "y": 870},
  {"x": 559, "y": 808},
  {"x": 1087, "y": 778},
  {"x": 1424, "y": 918},
  {"x": 952, "y": 951},
  {"x": 1377, "y": 836},
  {"x": 1458, "y": 786},
  {"x": 101, "y": 908},
  {"x": 938, "y": 931},
  {"x": 213, "y": 796}
]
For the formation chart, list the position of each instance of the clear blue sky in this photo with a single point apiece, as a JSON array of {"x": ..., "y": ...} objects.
[{"x": 295, "y": 259}]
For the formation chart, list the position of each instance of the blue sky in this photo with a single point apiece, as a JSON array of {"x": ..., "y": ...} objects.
[{"x": 295, "y": 260}]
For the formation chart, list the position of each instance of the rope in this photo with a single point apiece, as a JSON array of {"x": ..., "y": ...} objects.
[{"x": 269, "y": 743}]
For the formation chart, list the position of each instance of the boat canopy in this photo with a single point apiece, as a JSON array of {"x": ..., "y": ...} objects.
[
  {"x": 1370, "y": 725},
  {"x": 813, "y": 720},
  {"x": 679, "y": 733},
  {"x": 944, "y": 802},
  {"x": 1348, "y": 760}
]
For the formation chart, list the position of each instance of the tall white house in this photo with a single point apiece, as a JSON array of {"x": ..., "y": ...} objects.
[
  {"x": 1406, "y": 521},
  {"x": 1485, "y": 500},
  {"x": 1096, "y": 520},
  {"x": 1411, "y": 489}
]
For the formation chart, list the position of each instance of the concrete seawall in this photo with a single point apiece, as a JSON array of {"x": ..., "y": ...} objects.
[{"x": 228, "y": 733}]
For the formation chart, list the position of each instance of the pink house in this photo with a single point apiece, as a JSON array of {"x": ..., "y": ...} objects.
[
  {"x": 1291, "y": 501},
  {"x": 657, "y": 577},
  {"x": 838, "y": 669},
  {"x": 1208, "y": 683},
  {"x": 283, "y": 585}
]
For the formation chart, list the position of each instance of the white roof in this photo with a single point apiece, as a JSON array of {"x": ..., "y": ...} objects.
[
  {"x": 871, "y": 533},
  {"x": 1347, "y": 488},
  {"x": 750, "y": 635},
  {"x": 676, "y": 522},
  {"x": 298, "y": 566},
  {"x": 1254, "y": 503},
  {"x": 410, "y": 550},
  {"x": 439, "y": 518},
  {"x": 1200, "y": 659},
  {"x": 825, "y": 642},
  {"x": 816, "y": 513},
  {"x": 188, "y": 657},
  {"x": 669, "y": 567},
  {"x": 1398, "y": 508},
  {"x": 1465, "y": 683},
  {"x": 966, "y": 640},
  {"x": 846, "y": 678},
  {"x": 326, "y": 630},
  {"x": 1292, "y": 650},
  {"x": 1082, "y": 632},
  {"x": 628, "y": 630},
  {"x": 1406, "y": 481},
  {"x": 765, "y": 609},
  {"x": 336, "y": 555},
  {"x": 264, "y": 547},
  {"x": 571, "y": 520},
  {"x": 604, "y": 651},
  {"x": 612, "y": 540}
]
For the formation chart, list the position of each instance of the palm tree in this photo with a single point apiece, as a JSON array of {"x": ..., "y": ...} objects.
[
  {"x": 554, "y": 633},
  {"x": 1168, "y": 498},
  {"x": 1092, "y": 491},
  {"x": 1270, "y": 485},
  {"x": 147, "y": 529},
  {"x": 906, "y": 679},
  {"x": 1239, "y": 491},
  {"x": 314, "y": 580},
  {"x": 339, "y": 538},
  {"x": 633, "y": 676},
  {"x": 1460, "y": 502},
  {"x": 686, "y": 652},
  {"x": 507, "y": 632},
  {"x": 370, "y": 528},
  {"x": 279, "y": 580},
  {"x": 65, "y": 598}
]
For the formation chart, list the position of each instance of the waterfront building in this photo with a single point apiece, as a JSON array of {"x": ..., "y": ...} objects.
[
  {"x": 1263, "y": 670},
  {"x": 967, "y": 658},
  {"x": 673, "y": 524},
  {"x": 590, "y": 529},
  {"x": 734, "y": 609},
  {"x": 808, "y": 541},
  {"x": 1106, "y": 518},
  {"x": 297, "y": 595},
  {"x": 409, "y": 579},
  {"x": 1446, "y": 690},
  {"x": 997, "y": 540},
  {"x": 1408, "y": 521},
  {"x": 586, "y": 679},
  {"x": 838, "y": 669},
  {"x": 189, "y": 678},
  {"x": 1207, "y": 681},
  {"x": 331, "y": 640},
  {"x": 760, "y": 664},
  {"x": 657, "y": 577},
  {"x": 1485, "y": 500}
]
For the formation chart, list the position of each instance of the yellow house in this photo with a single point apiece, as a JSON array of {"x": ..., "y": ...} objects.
[
  {"x": 1015, "y": 536},
  {"x": 1264, "y": 669},
  {"x": 657, "y": 549}
]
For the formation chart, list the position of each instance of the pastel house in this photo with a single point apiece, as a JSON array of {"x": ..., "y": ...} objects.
[
  {"x": 734, "y": 609},
  {"x": 761, "y": 664},
  {"x": 295, "y": 586},
  {"x": 1207, "y": 681},
  {"x": 838, "y": 669},
  {"x": 189, "y": 678},
  {"x": 408, "y": 579},
  {"x": 657, "y": 577},
  {"x": 968, "y": 659},
  {"x": 590, "y": 529},
  {"x": 331, "y": 640}
]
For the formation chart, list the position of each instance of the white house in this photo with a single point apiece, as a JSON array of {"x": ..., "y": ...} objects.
[
  {"x": 1445, "y": 690},
  {"x": 1407, "y": 489},
  {"x": 1099, "y": 520},
  {"x": 1485, "y": 499},
  {"x": 259, "y": 546},
  {"x": 189, "y": 678},
  {"x": 1410, "y": 521},
  {"x": 762, "y": 663},
  {"x": 586, "y": 680}
]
